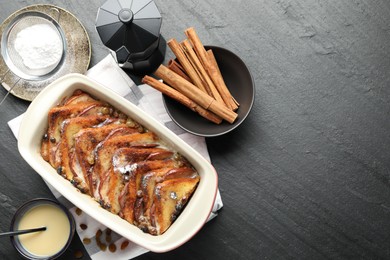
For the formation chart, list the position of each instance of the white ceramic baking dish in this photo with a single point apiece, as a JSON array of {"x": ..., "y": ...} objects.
[{"x": 34, "y": 125}]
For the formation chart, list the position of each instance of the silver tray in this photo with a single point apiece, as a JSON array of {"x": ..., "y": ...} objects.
[{"x": 77, "y": 56}]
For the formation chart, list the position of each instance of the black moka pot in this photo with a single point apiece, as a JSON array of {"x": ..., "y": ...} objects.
[{"x": 131, "y": 30}]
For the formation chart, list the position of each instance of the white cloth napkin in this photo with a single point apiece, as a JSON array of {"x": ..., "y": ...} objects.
[{"x": 108, "y": 73}]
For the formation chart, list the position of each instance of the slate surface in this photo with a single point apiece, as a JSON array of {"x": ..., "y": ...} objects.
[{"x": 307, "y": 176}]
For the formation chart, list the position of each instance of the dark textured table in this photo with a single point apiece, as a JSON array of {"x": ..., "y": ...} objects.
[{"x": 307, "y": 175}]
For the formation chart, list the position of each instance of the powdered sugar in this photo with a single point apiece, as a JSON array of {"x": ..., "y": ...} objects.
[{"x": 39, "y": 46}]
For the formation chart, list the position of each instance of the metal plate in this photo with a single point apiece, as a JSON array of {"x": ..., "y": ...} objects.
[{"x": 77, "y": 56}]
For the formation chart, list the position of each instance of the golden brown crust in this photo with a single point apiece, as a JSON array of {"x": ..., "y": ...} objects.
[
  {"x": 57, "y": 116},
  {"x": 148, "y": 186},
  {"x": 123, "y": 160},
  {"x": 118, "y": 162},
  {"x": 86, "y": 141},
  {"x": 70, "y": 128},
  {"x": 133, "y": 185},
  {"x": 169, "y": 199}
]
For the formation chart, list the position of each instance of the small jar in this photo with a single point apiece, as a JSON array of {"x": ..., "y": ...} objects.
[{"x": 48, "y": 244}]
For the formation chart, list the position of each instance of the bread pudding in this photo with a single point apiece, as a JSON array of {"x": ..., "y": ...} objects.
[{"x": 128, "y": 169}]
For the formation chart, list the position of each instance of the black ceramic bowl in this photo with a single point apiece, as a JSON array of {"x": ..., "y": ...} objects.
[
  {"x": 240, "y": 83},
  {"x": 63, "y": 213}
]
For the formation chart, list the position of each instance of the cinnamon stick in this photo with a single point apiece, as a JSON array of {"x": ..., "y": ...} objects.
[
  {"x": 211, "y": 57},
  {"x": 212, "y": 90},
  {"x": 211, "y": 70},
  {"x": 176, "y": 49},
  {"x": 172, "y": 93},
  {"x": 195, "y": 94},
  {"x": 176, "y": 67},
  {"x": 177, "y": 64},
  {"x": 195, "y": 68}
]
